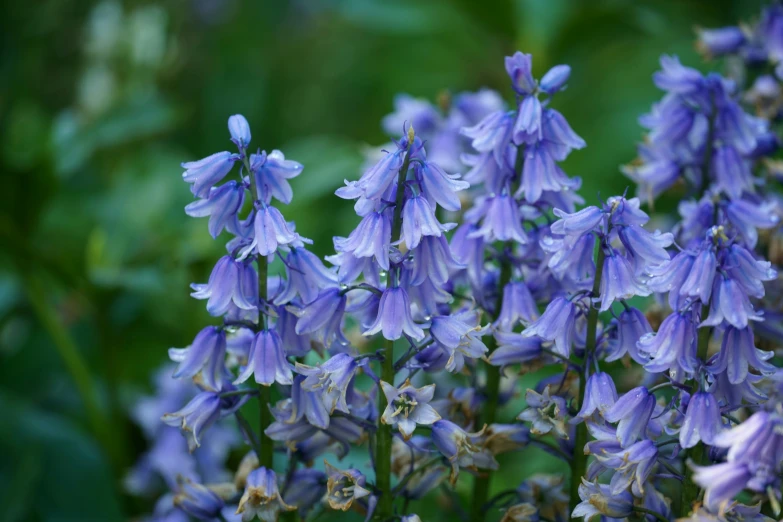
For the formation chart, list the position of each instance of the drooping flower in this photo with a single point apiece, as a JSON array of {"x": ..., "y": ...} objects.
[
  {"x": 197, "y": 500},
  {"x": 204, "y": 357},
  {"x": 267, "y": 362},
  {"x": 261, "y": 497},
  {"x": 343, "y": 487},
  {"x": 407, "y": 407},
  {"x": 394, "y": 316}
]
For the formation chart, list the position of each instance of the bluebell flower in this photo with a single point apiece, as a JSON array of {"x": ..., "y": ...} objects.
[
  {"x": 540, "y": 173},
  {"x": 440, "y": 186},
  {"x": 206, "y": 173},
  {"x": 198, "y": 415},
  {"x": 309, "y": 405},
  {"x": 673, "y": 346},
  {"x": 239, "y": 130},
  {"x": 343, "y": 487},
  {"x": 501, "y": 221},
  {"x": 513, "y": 348},
  {"x": 619, "y": 281},
  {"x": 221, "y": 204},
  {"x": 371, "y": 238},
  {"x": 555, "y": 79},
  {"x": 331, "y": 379},
  {"x": 407, "y": 407},
  {"x": 230, "y": 282},
  {"x": 675, "y": 77},
  {"x": 702, "y": 420},
  {"x": 517, "y": 306},
  {"x": 545, "y": 412},
  {"x": 572, "y": 263},
  {"x": 520, "y": 69},
  {"x": 460, "y": 335},
  {"x": 646, "y": 249},
  {"x": 558, "y": 324},
  {"x": 323, "y": 317},
  {"x": 632, "y": 412},
  {"x": 527, "y": 127},
  {"x": 600, "y": 395},
  {"x": 433, "y": 260},
  {"x": 306, "y": 275},
  {"x": 378, "y": 178},
  {"x": 598, "y": 499},
  {"x": 198, "y": 500},
  {"x": 717, "y": 42},
  {"x": 737, "y": 353},
  {"x": 749, "y": 273},
  {"x": 492, "y": 134},
  {"x": 632, "y": 325},
  {"x": 460, "y": 447},
  {"x": 574, "y": 226},
  {"x": 418, "y": 219},
  {"x": 559, "y": 138},
  {"x": 670, "y": 276},
  {"x": 205, "y": 357},
  {"x": 272, "y": 172},
  {"x": 306, "y": 488},
  {"x": 730, "y": 303},
  {"x": 394, "y": 317},
  {"x": 732, "y": 172},
  {"x": 271, "y": 231},
  {"x": 267, "y": 362},
  {"x": 747, "y": 217},
  {"x": 633, "y": 466},
  {"x": 261, "y": 497}
]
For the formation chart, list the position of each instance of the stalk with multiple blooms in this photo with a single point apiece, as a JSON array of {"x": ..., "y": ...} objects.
[{"x": 652, "y": 389}]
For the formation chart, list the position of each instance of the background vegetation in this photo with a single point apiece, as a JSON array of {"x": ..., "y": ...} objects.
[{"x": 101, "y": 101}]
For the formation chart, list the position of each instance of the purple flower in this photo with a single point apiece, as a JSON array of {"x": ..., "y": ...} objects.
[
  {"x": 267, "y": 362},
  {"x": 440, "y": 186},
  {"x": 732, "y": 172},
  {"x": 198, "y": 415},
  {"x": 418, "y": 219},
  {"x": 555, "y": 79},
  {"x": 343, "y": 487},
  {"x": 205, "y": 173},
  {"x": 545, "y": 412},
  {"x": 747, "y": 217},
  {"x": 306, "y": 488},
  {"x": 598, "y": 499},
  {"x": 323, "y": 316},
  {"x": 461, "y": 448},
  {"x": 513, "y": 348},
  {"x": 492, "y": 134},
  {"x": 306, "y": 275},
  {"x": 632, "y": 325},
  {"x": 407, "y": 407},
  {"x": 271, "y": 231},
  {"x": 632, "y": 411},
  {"x": 198, "y": 501},
  {"x": 737, "y": 353},
  {"x": 721, "y": 482},
  {"x": 221, "y": 204},
  {"x": 674, "y": 346},
  {"x": 618, "y": 281},
  {"x": 261, "y": 497},
  {"x": 501, "y": 221},
  {"x": 646, "y": 249},
  {"x": 460, "y": 335},
  {"x": 600, "y": 395},
  {"x": 747, "y": 271},
  {"x": 717, "y": 42},
  {"x": 331, "y": 380},
  {"x": 239, "y": 130},
  {"x": 377, "y": 179},
  {"x": 633, "y": 466},
  {"x": 372, "y": 237},
  {"x": 675, "y": 77},
  {"x": 230, "y": 282},
  {"x": 519, "y": 68},
  {"x": 540, "y": 174},
  {"x": 573, "y": 226},
  {"x": 702, "y": 420},
  {"x": 433, "y": 260},
  {"x": 394, "y": 317},
  {"x": 205, "y": 356},
  {"x": 730, "y": 303},
  {"x": 558, "y": 324},
  {"x": 518, "y": 306},
  {"x": 272, "y": 173}
]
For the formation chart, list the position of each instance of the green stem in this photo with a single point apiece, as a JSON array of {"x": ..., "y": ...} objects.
[
  {"x": 482, "y": 484},
  {"x": 383, "y": 445},
  {"x": 579, "y": 461}
]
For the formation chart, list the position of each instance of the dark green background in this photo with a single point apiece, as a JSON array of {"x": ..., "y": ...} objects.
[{"x": 96, "y": 253}]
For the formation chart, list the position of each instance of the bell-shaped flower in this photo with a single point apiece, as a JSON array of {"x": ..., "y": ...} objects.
[
  {"x": 540, "y": 174},
  {"x": 460, "y": 335},
  {"x": 206, "y": 173},
  {"x": 555, "y": 79},
  {"x": 407, "y": 407},
  {"x": 343, "y": 487},
  {"x": 433, "y": 260},
  {"x": 418, "y": 219},
  {"x": 261, "y": 497},
  {"x": 702, "y": 420},
  {"x": 205, "y": 356},
  {"x": 305, "y": 489},
  {"x": 573, "y": 226},
  {"x": 632, "y": 325},
  {"x": 558, "y": 324},
  {"x": 331, "y": 379},
  {"x": 198, "y": 500},
  {"x": 513, "y": 348},
  {"x": 371, "y": 238},
  {"x": 730, "y": 303},
  {"x": 633, "y": 466},
  {"x": 598, "y": 499},
  {"x": 198, "y": 415},
  {"x": 632, "y": 412},
  {"x": 737, "y": 353},
  {"x": 732, "y": 171},
  {"x": 271, "y": 231},
  {"x": 272, "y": 173},
  {"x": 747, "y": 217},
  {"x": 518, "y": 306},
  {"x": 440, "y": 186},
  {"x": 519, "y": 67},
  {"x": 545, "y": 412},
  {"x": 618, "y": 281},
  {"x": 230, "y": 282},
  {"x": 323, "y": 317},
  {"x": 461, "y": 448},
  {"x": 306, "y": 275},
  {"x": 381, "y": 175},
  {"x": 492, "y": 134},
  {"x": 267, "y": 362},
  {"x": 600, "y": 395},
  {"x": 702, "y": 273},
  {"x": 673, "y": 346},
  {"x": 239, "y": 130},
  {"x": 501, "y": 221},
  {"x": 646, "y": 249},
  {"x": 394, "y": 316},
  {"x": 221, "y": 204},
  {"x": 749, "y": 272}
]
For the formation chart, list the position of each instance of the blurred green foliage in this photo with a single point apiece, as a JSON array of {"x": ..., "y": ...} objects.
[{"x": 101, "y": 101}]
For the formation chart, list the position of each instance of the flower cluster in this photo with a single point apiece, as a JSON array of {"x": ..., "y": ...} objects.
[{"x": 409, "y": 340}]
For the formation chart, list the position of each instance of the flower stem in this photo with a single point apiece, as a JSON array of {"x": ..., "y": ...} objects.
[
  {"x": 383, "y": 446},
  {"x": 489, "y": 412},
  {"x": 579, "y": 461}
]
